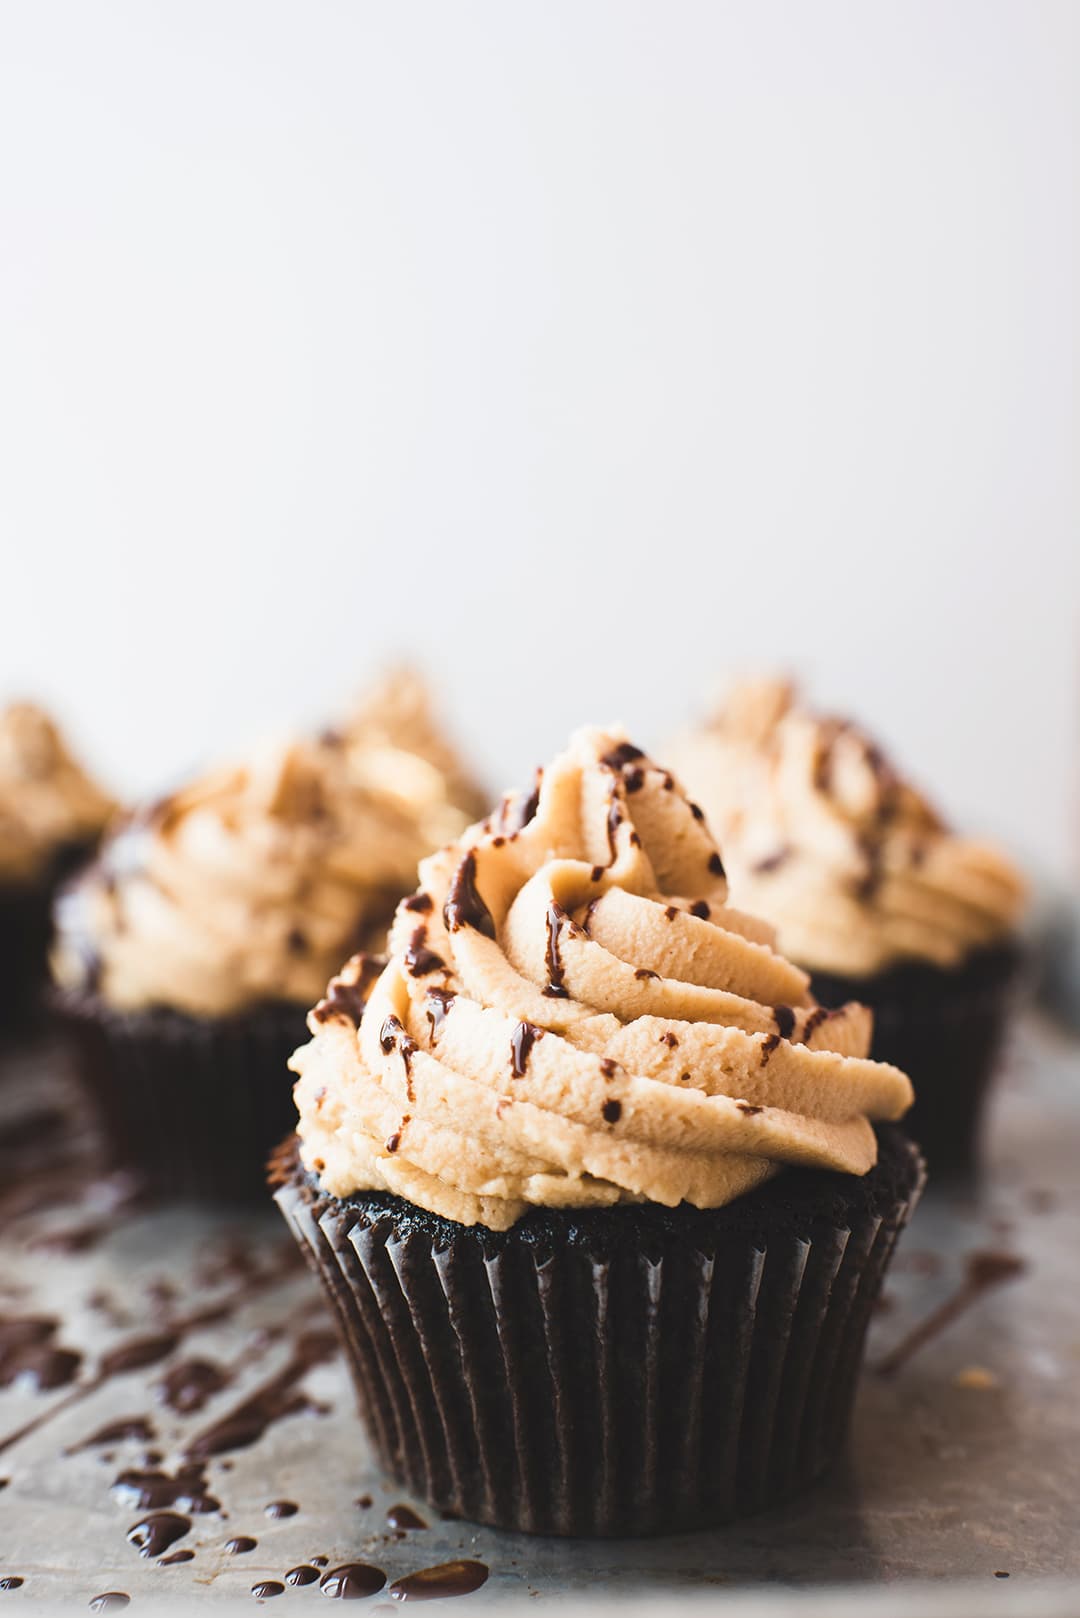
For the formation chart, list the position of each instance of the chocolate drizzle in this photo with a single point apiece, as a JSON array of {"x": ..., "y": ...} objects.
[
  {"x": 984, "y": 1270},
  {"x": 188, "y": 1385},
  {"x": 30, "y": 1356},
  {"x": 700, "y": 909},
  {"x": 437, "y": 1003},
  {"x": 404, "y": 1517},
  {"x": 349, "y": 999},
  {"x": 522, "y": 1041},
  {"x": 419, "y": 960},
  {"x": 392, "y": 1036},
  {"x": 556, "y": 987},
  {"x": 612, "y": 1111},
  {"x": 420, "y": 903},
  {"x": 768, "y": 1045},
  {"x": 117, "y": 1432},
  {"x": 464, "y": 906},
  {"x": 152, "y": 1490},
  {"x": 785, "y": 1020},
  {"x": 619, "y": 757}
]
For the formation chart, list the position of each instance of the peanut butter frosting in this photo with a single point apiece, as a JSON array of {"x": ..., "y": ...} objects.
[
  {"x": 251, "y": 884},
  {"x": 47, "y": 801},
  {"x": 572, "y": 1015},
  {"x": 826, "y": 840}
]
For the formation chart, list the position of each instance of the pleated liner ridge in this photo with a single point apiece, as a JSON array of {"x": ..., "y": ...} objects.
[
  {"x": 591, "y": 1385},
  {"x": 192, "y": 1106}
]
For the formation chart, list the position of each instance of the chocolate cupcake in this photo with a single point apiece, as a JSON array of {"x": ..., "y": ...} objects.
[
  {"x": 870, "y": 891},
  {"x": 187, "y": 952},
  {"x": 592, "y": 1184},
  {"x": 51, "y": 816}
]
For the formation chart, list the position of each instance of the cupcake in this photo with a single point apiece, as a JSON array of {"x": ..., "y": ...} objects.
[
  {"x": 187, "y": 953},
  {"x": 869, "y": 891},
  {"x": 600, "y": 1198},
  {"x": 51, "y": 816}
]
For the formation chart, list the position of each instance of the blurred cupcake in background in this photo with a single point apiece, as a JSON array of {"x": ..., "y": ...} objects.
[
  {"x": 868, "y": 890},
  {"x": 51, "y": 816},
  {"x": 187, "y": 953}
]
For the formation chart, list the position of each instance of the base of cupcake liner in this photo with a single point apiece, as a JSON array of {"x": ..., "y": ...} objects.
[
  {"x": 945, "y": 1028},
  {"x": 26, "y": 931},
  {"x": 621, "y": 1371},
  {"x": 192, "y": 1106}
]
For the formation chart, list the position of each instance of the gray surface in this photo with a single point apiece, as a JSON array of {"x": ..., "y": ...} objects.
[{"x": 944, "y": 1483}]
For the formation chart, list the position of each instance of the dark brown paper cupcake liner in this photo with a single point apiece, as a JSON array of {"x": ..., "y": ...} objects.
[
  {"x": 193, "y": 1106},
  {"x": 26, "y": 930},
  {"x": 633, "y": 1370},
  {"x": 945, "y": 1028}
]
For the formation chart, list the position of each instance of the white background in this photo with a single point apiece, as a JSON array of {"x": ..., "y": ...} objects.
[{"x": 586, "y": 350}]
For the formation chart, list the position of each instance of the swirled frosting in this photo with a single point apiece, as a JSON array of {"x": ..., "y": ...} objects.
[
  {"x": 572, "y": 1014},
  {"x": 824, "y": 838},
  {"x": 47, "y": 800},
  {"x": 252, "y": 883}
]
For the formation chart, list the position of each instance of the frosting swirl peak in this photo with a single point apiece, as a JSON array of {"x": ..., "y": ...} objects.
[
  {"x": 572, "y": 1015},
  {"x": 47, "y": 801}
]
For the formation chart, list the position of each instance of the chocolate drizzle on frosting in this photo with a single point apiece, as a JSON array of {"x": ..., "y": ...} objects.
[{"x": 464, "y": 906}]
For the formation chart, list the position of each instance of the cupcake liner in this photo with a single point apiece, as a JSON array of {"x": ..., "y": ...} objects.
[
  {"x": 945, "y": 1028},
  {"x": 192, "y": 1106},
  {"x": 26, "y": 930},
  {"x": 622, "y": 1371}
]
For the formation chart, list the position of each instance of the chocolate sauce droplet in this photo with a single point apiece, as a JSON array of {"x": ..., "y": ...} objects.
[
  {"x": 464, "y": 906},
  {"x": 619, "y": 757},
  {"x": 281, "y": 1508},
  {"x": 176, "y": 1558},
  {"x": 189, "y": 1385},
  {"x": 420, "y": 903},
  {"x": 154, "y": 1535},
  {"x": 448, "y": 1579},
  {"x": 11, "y": 1581},
  {"x": 136, "y": 1354},
  {"x": 267, "y": 1588},
  {"x": 700, "y": 909},
  {"x": 319, "y": 1561},
  {"x": 612, "y": 1111},
  {"x": 240, "y": 1545},
  {"x": 402, "y": 1516},
  {"x": 419, "y": 960},
  {"x": 152, "y": 1490},
  {"x": 349, "y": 999},
  {"x": 522, "y": 1041},
  {"x": 111, "y": 1601},
  {"x": 768, "y": 1045},
  {"x": 352, "y": 1581},
  {"x": 301, "y": 1575},
  {"x": 114, "y": 1432}
]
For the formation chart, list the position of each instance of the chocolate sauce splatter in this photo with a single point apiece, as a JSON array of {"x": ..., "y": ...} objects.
[
  {"x": 352, "y": 1581},
  {"x": 612, "y": 1111},
  {"x": 240, "y": 1544},
  {"x": 176, "y": 1558},
  {"x": 319, "y": 1561},
  {"x": 614, "y": 821},
  {"x": 267, "y": 1588},
  {"x": 276, "y": 1399},
  {"x": 11, "y": 1581},
  {"x": 115, "y": 1432},
  {"x": 518, "y": 811},
  {"x": 111, "y": 1601},
  {"x": 670, "y": 912},
  {"x": 464, "y": 906},
  {"x": 152, "y": 1490},
  {"x": 984, "y": 1270},
  {"x": 30, "y": 1356},
  {"x": 154, "y": 1535},
  {"x": 437, "y": 1003},
  {"x": 280, "y": 1508},
  {"x": 670, "y": 1040},
  {"x": 136, "y": 1354},
  {"x": 187, "y": 1386},
  {"x": 402, "y": 1516},
  {"x": 419, "y": 960},
  {"x": 749, "y": 1108},
  {"x": 522, "y": 1041},
  {"x": 448, "y": 1579},
  {"x": 301, "y": 1575}
]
